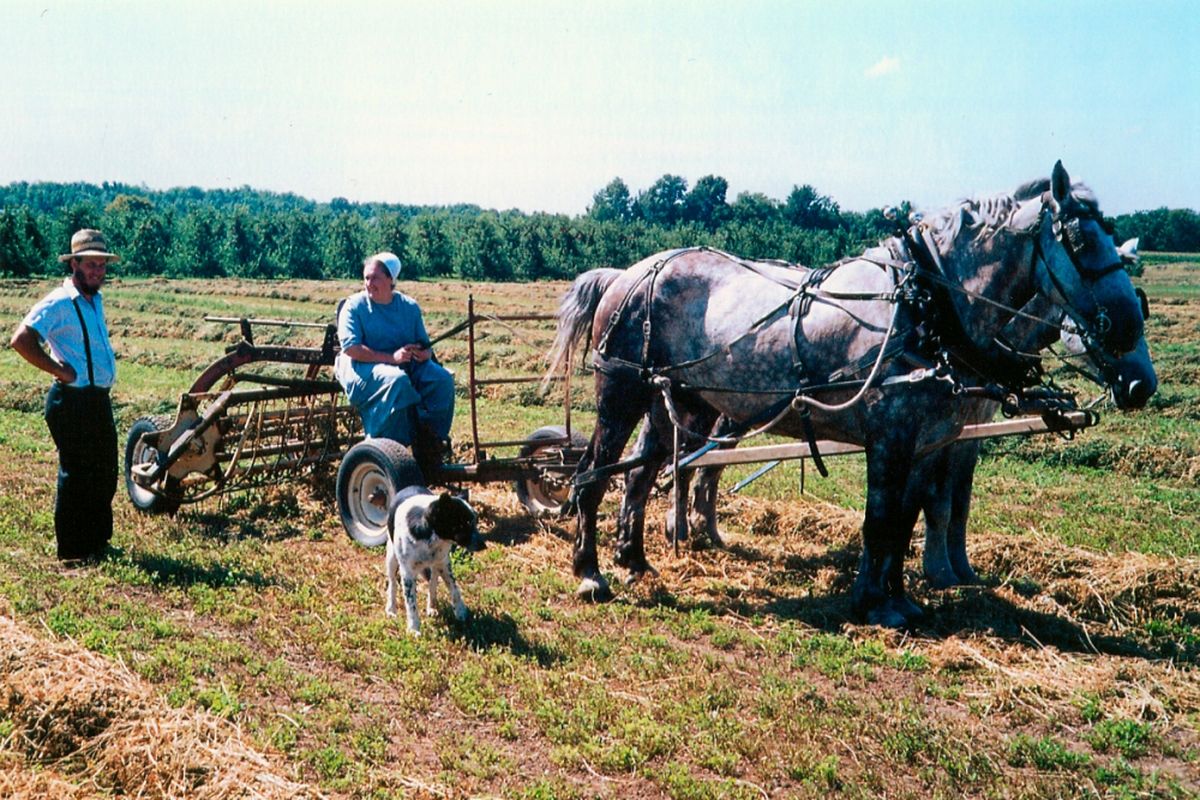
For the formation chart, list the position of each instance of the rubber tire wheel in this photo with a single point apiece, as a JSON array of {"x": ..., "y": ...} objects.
[
  {"x": 143, "y": 499},
  {"x": 539, "y": 498},
  {"x": 370, "y": 467}
]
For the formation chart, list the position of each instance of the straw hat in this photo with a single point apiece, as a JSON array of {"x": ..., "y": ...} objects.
[{"x": 89, "y": 243}]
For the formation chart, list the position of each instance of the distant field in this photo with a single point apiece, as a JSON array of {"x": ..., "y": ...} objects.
[
  {"x": 1155, "y": 259},
  {"x": 734, "y": 674}
]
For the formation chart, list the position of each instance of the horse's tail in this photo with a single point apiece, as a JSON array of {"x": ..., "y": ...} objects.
[{"x": 575, "y": 314}]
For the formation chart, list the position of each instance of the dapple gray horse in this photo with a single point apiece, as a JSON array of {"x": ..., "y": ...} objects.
[
  {"x": 878, "y": 351},
  {"x": 942, "y": 481}
]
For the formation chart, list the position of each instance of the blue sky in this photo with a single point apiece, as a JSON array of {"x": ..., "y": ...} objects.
[{"x": 536, "y": 105}]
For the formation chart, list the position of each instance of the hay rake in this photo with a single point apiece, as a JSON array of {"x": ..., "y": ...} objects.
[
  {"x": 244, "y": 425},
  {"x": 226, "y": 437}
]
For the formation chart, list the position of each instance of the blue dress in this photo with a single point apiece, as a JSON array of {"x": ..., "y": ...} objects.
[{"x": 384, "y": 394}]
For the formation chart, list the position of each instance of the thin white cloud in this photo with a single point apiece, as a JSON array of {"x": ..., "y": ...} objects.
[{"x": 885, "y": 66}]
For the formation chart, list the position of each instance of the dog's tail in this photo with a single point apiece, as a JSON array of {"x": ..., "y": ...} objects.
[{"x": 575, "y": 314}]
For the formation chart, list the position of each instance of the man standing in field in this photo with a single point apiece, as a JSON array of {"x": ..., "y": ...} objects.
[
  {"x": 78, "y": 409},
  {"x": 386, "y": 364}
]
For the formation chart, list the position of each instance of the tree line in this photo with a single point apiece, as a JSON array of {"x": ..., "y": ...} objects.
[{"x": 248, "y": 233}]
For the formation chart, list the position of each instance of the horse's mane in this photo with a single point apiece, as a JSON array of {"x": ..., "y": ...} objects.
[{"x": 988, "y": 215}]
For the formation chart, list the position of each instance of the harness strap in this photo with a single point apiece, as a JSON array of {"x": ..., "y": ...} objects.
[
  {"x": 810, "y": 434},
  {"x": 615, "y": 317},
  {"x": 947, "y": 324},
  {"x": 647, "y": 325},
  {"x": 611, "y": 365},
  {"x": 868, "y": 358},
  {"x": 800, "y": 305},
  {"x": 87, "y": 341}
]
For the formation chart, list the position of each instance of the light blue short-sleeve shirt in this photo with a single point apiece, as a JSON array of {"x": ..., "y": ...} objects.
[
  {"x": 56, "y": 321},
  {"x": 385, "y": 328}
]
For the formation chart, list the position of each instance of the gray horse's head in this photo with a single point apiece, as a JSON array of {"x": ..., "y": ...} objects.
[
  {"x": 1132, "y": 378},
  {"x": 1080, "y": 268}
]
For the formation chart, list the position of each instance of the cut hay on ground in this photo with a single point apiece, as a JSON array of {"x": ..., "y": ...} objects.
[{"x": 83, "y": 726}]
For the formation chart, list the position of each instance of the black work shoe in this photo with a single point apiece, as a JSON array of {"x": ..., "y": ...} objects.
[{"x": 430, "y": 452}]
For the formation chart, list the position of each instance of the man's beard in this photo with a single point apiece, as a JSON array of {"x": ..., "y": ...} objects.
[{"x": 84, "y": 288}]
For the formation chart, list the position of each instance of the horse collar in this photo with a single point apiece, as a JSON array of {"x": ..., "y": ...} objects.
[{"x": 945, "y": 326}]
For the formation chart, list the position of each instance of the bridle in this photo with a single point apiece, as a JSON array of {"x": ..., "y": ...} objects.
[{"x": 1063, "y": 223}]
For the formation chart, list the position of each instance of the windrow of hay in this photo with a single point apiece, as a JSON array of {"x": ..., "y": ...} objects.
[
  {"x": 79, "y": 720},
  {"x": 1117, "y": 590}
]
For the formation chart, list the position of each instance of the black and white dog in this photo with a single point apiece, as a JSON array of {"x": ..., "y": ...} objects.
[{"x": 422, "y": 528}]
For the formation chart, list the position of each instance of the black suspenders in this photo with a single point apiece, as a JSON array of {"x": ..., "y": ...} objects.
[{"x": 87, "y": 342}]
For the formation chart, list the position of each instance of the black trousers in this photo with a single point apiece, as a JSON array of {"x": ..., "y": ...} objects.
[{"x": 81, "y": 423}]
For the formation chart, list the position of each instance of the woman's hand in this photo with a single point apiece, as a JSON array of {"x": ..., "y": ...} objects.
[{"x": 412, "y": 352}]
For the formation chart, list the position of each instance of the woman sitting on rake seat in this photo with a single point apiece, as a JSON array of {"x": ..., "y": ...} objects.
[{"x": 386, "y": 365}]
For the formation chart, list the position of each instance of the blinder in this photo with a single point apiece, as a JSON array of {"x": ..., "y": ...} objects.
[
  {"x": 1075, "y": 284},
  {"x": 1144, "y": 300}
]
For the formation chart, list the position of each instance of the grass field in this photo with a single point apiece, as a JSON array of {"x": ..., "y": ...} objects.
[{"x": 241, "y": 647}]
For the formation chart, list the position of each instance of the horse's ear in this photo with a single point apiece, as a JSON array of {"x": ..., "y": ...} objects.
[
  {"x": 1060, "y": 183},
  {"x": 966, "y": 217},
  {"x": 1129, "y": 251}
]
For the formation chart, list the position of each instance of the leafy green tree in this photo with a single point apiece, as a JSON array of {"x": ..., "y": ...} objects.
[
  {"x": 343, "y": 245},
  {"x": 139, "y": 233},
  {"x": 296, "y": 252},
  {"x": 564, "y": 243},
  {"x": 805, "y": 208},
  {"x": 662, "y": 203},
  {"x": 71, "y": 217},
  {"x": 1162, "y": 229},
  {"x": 479, "y": 250},
  {"x": 23, "y": 248},
  {"x": 387, "y": 230},
  {"x": 705, "y": 203},
  {"x": 196, "y": 245},
  {"x": 241, "y": 252},
  {"x": 428, "y": 247},
  {"x": 612, "y": 203},
  {"x": 147, "y": 250},
  {"x": 526, "y": 246},
  {"x": 754, "y": 208}
]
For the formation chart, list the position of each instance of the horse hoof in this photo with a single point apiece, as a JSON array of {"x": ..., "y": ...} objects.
[
  {"x": 910, "y": 609},
  {"x": 967, "y": 576},
  {"x": 895, "y": 612},
  {"x": 886, "y": 618},
  {"x": 942, "y": 579},
  {"x": 710, "y": 541},
  {"x": 594, "y": 590},
  {"x": 636, "y": 575}
]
